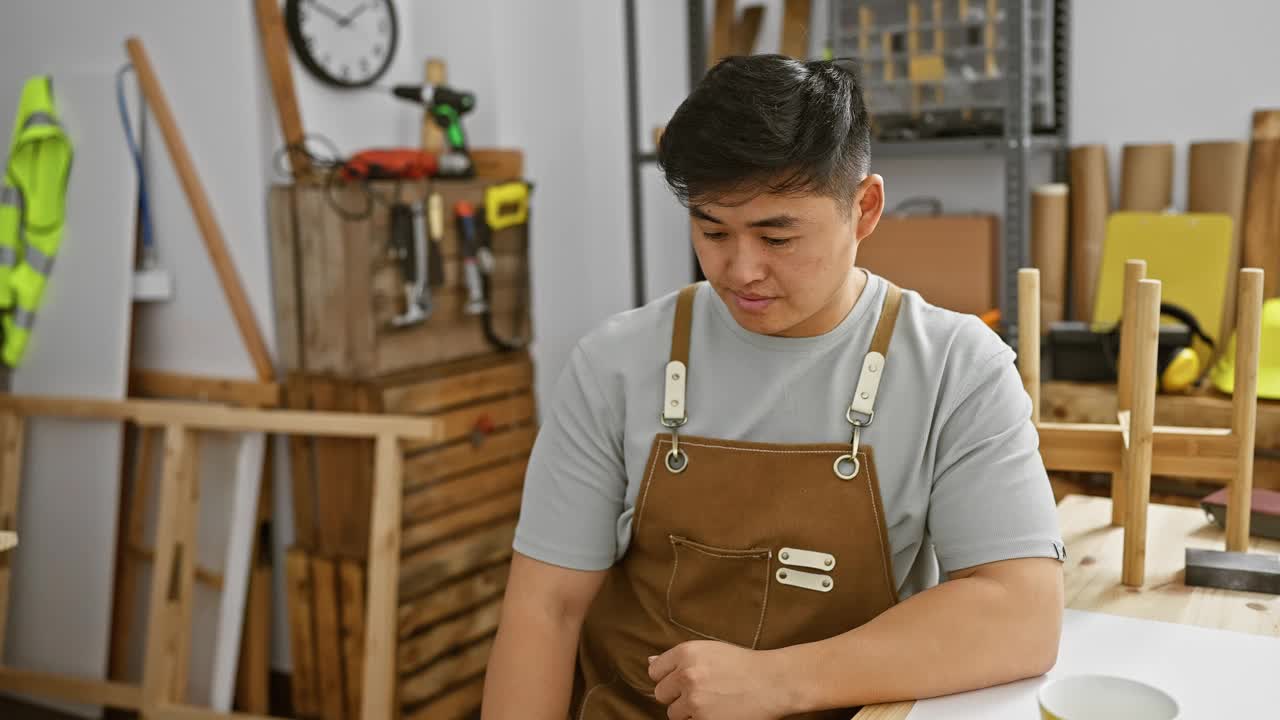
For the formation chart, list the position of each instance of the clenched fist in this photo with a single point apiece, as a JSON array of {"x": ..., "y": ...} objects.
[{"x": 705, "y": 680}]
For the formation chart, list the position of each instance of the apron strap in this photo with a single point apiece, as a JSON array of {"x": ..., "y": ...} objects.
[
  {"x": 673, "y": 401},
  {"x": 862, "y": 409}
]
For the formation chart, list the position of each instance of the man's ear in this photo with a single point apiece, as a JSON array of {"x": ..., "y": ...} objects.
[{"x": 869, "y": 205}]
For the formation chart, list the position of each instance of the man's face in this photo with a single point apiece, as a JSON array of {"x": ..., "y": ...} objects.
[{"x": 782, "y": 263}]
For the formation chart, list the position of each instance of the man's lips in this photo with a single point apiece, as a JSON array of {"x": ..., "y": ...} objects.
[{"x": 751, "y": 302}]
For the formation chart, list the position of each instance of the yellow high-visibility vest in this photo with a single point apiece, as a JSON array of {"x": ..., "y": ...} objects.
[{"x": 32, "y": 210}]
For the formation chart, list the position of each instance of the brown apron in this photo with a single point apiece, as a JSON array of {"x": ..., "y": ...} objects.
[{"x": 757, "y": 544}]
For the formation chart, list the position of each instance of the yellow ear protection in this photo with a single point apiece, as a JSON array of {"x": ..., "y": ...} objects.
[{"x": 1178, "y": 366}]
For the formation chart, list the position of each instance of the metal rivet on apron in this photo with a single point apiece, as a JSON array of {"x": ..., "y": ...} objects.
[
  {"x": 675, "y": 403},
  {"x": 786, "y": 556},
  {"x": 827, "y": 562},
  {"x": 865, "y": 395},
  {"x": 826, "y": 583},
  {"x": 675, "y": 376},
  {"x": 782, "y": 574}
]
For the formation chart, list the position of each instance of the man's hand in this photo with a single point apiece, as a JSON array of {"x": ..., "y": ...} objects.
[{"x": 706, "y": 680}]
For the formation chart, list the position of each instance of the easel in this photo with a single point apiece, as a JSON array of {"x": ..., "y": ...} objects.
[
  {"x": 158, "y": 697},
  {"x": 1135, "y": 448}
]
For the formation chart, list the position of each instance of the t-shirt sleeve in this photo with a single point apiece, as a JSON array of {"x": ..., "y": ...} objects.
[
  {"x": 991, "y": 499},
  {"x": 576, "y": 482}
]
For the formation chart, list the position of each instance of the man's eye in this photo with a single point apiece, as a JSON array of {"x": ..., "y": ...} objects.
[
  {"x": 777, "y": 242},
  {"x": 710, "y": 235}
]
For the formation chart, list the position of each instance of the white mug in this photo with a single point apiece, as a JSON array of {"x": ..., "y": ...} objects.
[{"x": 1104, "y": 697}]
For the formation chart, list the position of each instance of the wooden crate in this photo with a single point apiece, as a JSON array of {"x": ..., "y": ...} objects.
[
  {"x": 461, "y": 501},
  {"x": 337, "y": 289}
]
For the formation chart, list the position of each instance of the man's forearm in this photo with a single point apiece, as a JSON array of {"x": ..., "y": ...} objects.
[
  {"x": 530, "y": 672},
  {"x": 963, "y": 634}
]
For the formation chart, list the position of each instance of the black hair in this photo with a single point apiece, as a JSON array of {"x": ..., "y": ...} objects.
[{"x": 769, "y": 123}]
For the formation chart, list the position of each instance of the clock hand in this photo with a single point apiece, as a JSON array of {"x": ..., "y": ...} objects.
[
  {"x": 355, "y": 14},
  {"x": 327, "y": 12}
]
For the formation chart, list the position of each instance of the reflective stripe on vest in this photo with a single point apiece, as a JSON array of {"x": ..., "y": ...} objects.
[
  {"x": 40, "y": 118},
  {"x": 9, "y": 195},
  {"x": 24, "y": 318},
  {"x": 8, "y": 256},
  {"x": 41, "y": 263}
]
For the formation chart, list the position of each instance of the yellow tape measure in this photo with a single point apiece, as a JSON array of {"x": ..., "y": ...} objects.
[{"x": 506, "y": 205}]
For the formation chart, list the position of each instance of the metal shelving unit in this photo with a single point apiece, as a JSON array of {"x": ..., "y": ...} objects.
[{"x": 1016, "y": 143}]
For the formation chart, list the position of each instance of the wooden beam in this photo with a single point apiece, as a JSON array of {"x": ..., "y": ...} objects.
[
  {"x": 209, "y": 578},
  {"x": 131, "y": 536},
  {"x": 250, "y": 332},
  {"x": 795, "y": 28},
  {"x": 71, "y": 689},
  {"x": 190, "y": 712},
  {"x": 383, "y": 581},
  {"x": 197, "y": 416},
  {"x": 498, "y": 163},
  {"x": 275, "y": 50},
  {"x": 184, "y": 606},
  {"x": 1244, "y": 406},
  {"x": 1146, "y": 326},
  {"x": 158, "y": 384},
  {"x": 721, "y": 44},
  {"x": 1176, "y": 451},
  {"x": 1029, "y": 336},
  {"x": 12, "y": 437},
  {"x": 1134, "y": 271},
  {"x": 746, "y": 29},
  {"x": 162, "y": 645}
]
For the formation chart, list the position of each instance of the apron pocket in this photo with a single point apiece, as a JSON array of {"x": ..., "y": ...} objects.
[{"x": 717, "y": 593}]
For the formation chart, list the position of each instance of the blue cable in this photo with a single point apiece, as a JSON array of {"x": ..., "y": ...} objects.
[{"x": 144, "y": 209}]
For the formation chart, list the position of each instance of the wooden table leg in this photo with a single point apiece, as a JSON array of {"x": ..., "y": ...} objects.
[{"x": 1146, "y": 328}]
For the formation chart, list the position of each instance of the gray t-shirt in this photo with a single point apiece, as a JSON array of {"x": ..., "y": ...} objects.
[{"x": 956, "y": 453}]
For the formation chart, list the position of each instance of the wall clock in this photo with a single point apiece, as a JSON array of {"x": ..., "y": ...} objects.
[{"x": 343, "y": 43}]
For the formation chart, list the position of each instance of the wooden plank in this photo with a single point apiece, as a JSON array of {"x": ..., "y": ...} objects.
[
  {"x": 747, "y": 29},
  {"x": 1146, "y": 327},
  {"x": 286, "y": 282},
  {"x": 275, "y": 50},
  {"x": 351, "y": 595},
  {"x": 71, "y": 689},
  {"x": 1134, "y": 272},
  {"x": 1262, "y": 200},
  {"x": 1029, "y": 336},
  {"x": 12, "y": 440},
  {"x": 429, "y": 344},
  {"x": 417, "y": 652},
  {"x": 457, "y": 424},
  {"x": 435, "y": 72},
  {"x": 184, "y": 604},
  {"x": 1245, "y": 407},
  {"x": 244, "y": 393},
  {"x": 379, "y": 700},
  {"x": 456, "y": 704},
  {"x": 198, "y": 416},
  {"x": 448, "y": 304},
  {"x": 428, "y": 569},
  {"x": 468, "y": 592},
  {"x": 1176, "y": 452},
  {"x": 302, "y": 466},
  {"x": 446, "y": 526},
  {"x": 440, "y": 393},
  {"x": 300, "y": 594},
  {"x": 253, "y": 674},
  {"x": 191, "y": 712},
  {"x": 322, "y": 269},
  {"x": 795, "y": 28},
  {"x": 444, "y": 497},
  {"x": 1216, "y": 172},
  {"x": 233, "y": 290},
  {"x": 332, "y": 688},
  {"x": 721, "y": 34},
  {"x": 459, "y": 457},
  {"x": 446, "y": 672},
  {"x": 498, "y": 163},
  {"x": 162, "y": 644},
  {"x": 332, "y": 476},
  {"x": 891, "y": 711},
  {"x": 358, "y": 244}
]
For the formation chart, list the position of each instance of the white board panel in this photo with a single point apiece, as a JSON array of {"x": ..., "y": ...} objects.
[{"x": 60, "y": 606}]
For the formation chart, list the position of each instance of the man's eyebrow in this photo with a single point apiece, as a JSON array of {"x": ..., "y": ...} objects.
[
  {"x": 776, "y": 221},
  {"x": 704, "y": 215}
]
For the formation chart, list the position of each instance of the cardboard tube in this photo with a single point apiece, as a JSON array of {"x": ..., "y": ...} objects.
[
  {"x": 1090, "y": 198},
  {"x": 1049, "y": 250},
  {"x": 1146, "y": 177},
  {"x": 1216, "y": 174}
]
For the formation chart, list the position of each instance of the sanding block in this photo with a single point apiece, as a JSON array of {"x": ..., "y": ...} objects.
[
  {"x": 1264, "y": 516},
  {"x": 1250, "y": 572}
]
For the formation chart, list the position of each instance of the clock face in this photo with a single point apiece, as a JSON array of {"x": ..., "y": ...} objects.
[{"x": 347, "y": 43}]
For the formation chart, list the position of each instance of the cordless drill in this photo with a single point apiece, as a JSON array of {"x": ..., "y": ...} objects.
[{"x": 446, "y": 106}]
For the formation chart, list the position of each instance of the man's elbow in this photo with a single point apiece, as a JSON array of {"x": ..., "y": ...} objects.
[{"x": 1042, "y": 608}]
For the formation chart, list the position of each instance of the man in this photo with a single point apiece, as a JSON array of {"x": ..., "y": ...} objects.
[{"x": 744, "y": 496}]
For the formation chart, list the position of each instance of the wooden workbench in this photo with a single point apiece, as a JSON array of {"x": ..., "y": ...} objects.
[{"x": 1092, "y": 575}]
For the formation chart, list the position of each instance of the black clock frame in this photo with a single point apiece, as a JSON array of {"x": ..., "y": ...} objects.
[{"x": 293, "y": 26}]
